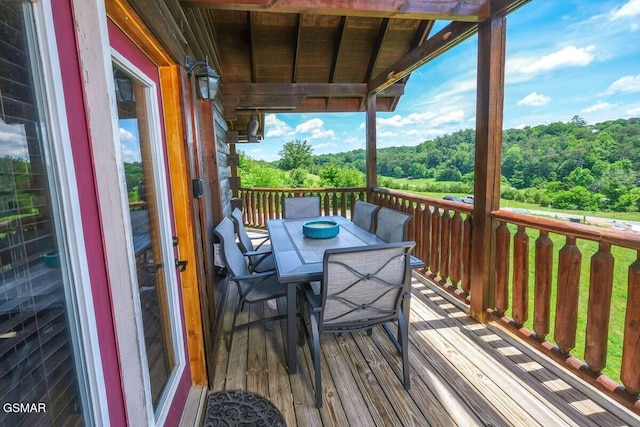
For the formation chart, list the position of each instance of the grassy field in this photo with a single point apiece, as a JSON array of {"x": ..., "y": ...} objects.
[{"x": 622, "y": 216}]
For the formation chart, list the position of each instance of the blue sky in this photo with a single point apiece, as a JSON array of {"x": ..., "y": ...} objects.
[{"x": 564, "y": 58}]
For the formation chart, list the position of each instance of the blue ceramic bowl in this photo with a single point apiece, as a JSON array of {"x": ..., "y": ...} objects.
[
  {"x": 322, "y": 229},
  {"x": 51, "y": 259}
]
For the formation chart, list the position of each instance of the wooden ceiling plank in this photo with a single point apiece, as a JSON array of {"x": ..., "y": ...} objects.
[
  {"x": 337, "y": 90},
  {"x": 296, "y": 53},
  {"x": 382, "y": 33},
  {"x": 453, "y": 10},
  {"x": 252, "y": 48},
  {"x": 445, "y": 39},
  {"x": 336, "y": 53}
]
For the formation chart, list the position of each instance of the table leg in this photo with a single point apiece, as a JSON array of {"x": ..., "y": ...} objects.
[{"x": 292, "y": 325}]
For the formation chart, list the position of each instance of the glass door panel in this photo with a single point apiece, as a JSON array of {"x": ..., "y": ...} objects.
[{"x": 143, "y": 181}]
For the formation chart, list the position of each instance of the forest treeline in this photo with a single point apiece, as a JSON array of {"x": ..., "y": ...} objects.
[{"x": 571, "y": 165}]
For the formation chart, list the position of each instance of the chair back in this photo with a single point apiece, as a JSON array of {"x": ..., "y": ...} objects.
[
  {"x": 234, "y": 261},
  {"x": 363, "y": 213},
  {"x": 363, "y": 286},
  {"x": 391, "y": 225},
  {"x": 301, "y": 207},
  {"x": 245, "y": 241}
]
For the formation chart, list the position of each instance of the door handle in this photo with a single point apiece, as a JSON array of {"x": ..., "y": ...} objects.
[{"x": 181, "y": 265}]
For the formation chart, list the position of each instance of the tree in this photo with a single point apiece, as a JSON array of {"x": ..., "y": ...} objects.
[
  {"x": 295, "y": 154},
  {"x": 297, "y": 177}
]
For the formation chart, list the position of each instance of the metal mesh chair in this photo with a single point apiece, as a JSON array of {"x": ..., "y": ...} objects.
[
  {"x": 252, "y": 287},
  {"x": 363, "y": 214},
  {"x": 259, "y": 260},
  {"x": 391, "y": 225},
  {"x": 301, "y": 207},
  {"x": 362, "y": 287}
]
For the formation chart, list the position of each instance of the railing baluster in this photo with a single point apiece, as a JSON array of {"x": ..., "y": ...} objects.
[
  {"x": 520, "y": 302},
  {"x": 456, "y": 249},
  {"x": 600, "y": 287},
  {"x": 466, "y": 254},
  {"x": 569, "y": 262},
  {"x": 426, "y": 236},
  {"x": 418, "y": 216},
  {"x": 445, "y": 243},
  {"x": 542, "y": 290},
  {"x": 503, "y": 243},
  {"x": 435, "y": 241},
  {"x": 629, "y": 373}
]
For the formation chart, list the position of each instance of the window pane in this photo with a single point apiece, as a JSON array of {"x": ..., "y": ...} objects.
[{"x": 37, "y": 359}]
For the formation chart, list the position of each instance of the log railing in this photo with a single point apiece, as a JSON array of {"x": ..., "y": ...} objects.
[
  {"x": 442, "y": 232},
  {"x": 557, "y": 307},
  {"x": 262, "y": 204}
]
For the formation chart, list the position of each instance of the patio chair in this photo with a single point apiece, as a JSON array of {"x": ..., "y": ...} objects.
[
  {"x": 362, "y": 287},
  {"x": 252, "y": 287},
  {"x": 391, "y": 225},
  {"x": 301, "y": 207},
  {"x": 363, "y": 214},
  {"x": 259, "y": 260}
]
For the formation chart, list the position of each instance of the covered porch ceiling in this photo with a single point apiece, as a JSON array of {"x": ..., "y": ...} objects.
[{"x": 324, "y": 55}]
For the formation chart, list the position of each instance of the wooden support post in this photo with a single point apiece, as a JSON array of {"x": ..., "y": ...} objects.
[
  {"x": 372, "y": 162},
  {"x": 489, "y": 105}
]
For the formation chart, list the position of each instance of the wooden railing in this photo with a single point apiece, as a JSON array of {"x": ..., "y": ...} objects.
[
  {"x": 561, "y": 318},
  {"x": 262, "y": 204},
  {"x": 442, "y": 232}
]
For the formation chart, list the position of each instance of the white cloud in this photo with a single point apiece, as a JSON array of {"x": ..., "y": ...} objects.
[
  {"x": 276, "y": 128},
  {"x": 314, "y": 127},
  {"x": 451, "y": 117},
  {"x": 629, "y": 9},
  {"x": 13, "y": 141},
  {"x": 129, "y": 146},
  {"x": 534, "y": 100},
  {"x": 600, "y": 106},
  {"x": 624, "y": 84},
  {"x": 634, "y": 112},
  {"x": 570, "y": 56}
]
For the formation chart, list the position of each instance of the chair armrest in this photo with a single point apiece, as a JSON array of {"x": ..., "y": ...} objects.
[
  {"x": 258, "y": 253},
  {"x": 254, "y": 276}
]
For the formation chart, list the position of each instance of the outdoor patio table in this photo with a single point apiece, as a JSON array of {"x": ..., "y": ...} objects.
[{"x": 299, "y": 260}]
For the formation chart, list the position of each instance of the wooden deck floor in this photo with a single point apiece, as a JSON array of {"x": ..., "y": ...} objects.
[{"x": 462, "y": 373}]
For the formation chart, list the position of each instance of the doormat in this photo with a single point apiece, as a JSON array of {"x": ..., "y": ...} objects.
[{"x": 241, "y": 408}]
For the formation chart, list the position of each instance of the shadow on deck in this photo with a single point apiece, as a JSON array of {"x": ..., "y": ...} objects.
[{"x": 462, "y": 373}]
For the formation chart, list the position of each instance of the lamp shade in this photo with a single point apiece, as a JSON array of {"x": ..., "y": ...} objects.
[
  {"x": 208, "y": 83},
  {"x": 207, "y": 79}
]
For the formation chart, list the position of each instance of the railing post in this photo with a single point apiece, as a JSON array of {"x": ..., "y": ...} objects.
[
  {"x": 372, "y": 164},
  {"x": 489, "y": 106}
]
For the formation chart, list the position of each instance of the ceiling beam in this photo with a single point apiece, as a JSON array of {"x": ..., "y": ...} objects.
[
  {"x": 451, "y": 10},
  {"x": 445, "y": 39},
  {"x": 312, "y": 90},
  {"x": 297, "y": 50},
  {"x": 252, "y": 48}
]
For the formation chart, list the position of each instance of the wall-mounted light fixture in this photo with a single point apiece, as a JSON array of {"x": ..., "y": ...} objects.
[
  {"x": 124, "y": 86},
  {"x": 207, "y": 78}
]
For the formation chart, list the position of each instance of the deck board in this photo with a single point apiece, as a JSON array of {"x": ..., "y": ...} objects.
[{"x": 462, "y": 373}]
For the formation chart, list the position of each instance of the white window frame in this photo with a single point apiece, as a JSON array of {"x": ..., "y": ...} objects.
[{"x": 82, "y": 315}]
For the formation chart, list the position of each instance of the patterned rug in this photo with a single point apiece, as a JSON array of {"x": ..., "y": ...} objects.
[{"x": 241, "y": 408}]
